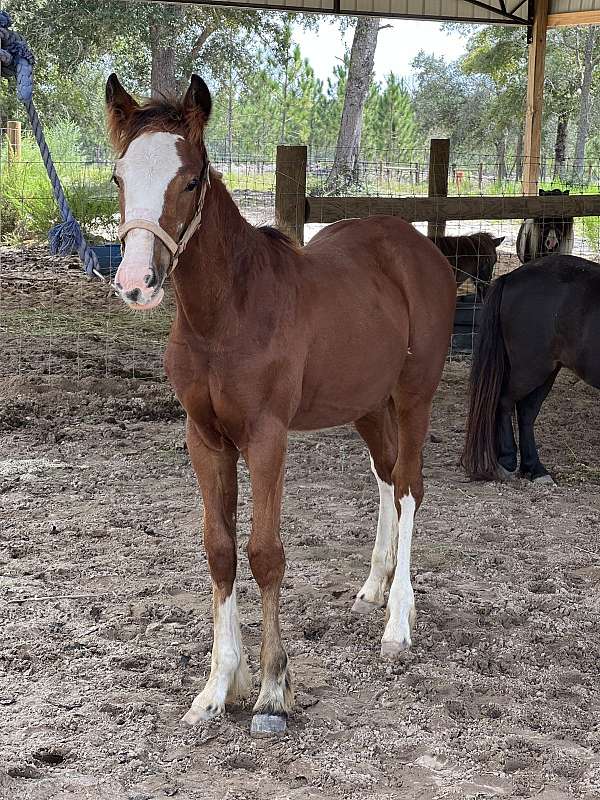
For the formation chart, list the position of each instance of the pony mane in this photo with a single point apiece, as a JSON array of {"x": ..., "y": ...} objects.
[{"x": 154, "y": 115}]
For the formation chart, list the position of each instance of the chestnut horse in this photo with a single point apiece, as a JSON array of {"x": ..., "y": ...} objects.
[{"x": 269, "y": 337}]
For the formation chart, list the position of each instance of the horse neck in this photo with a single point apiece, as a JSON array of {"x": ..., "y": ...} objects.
[{"x": 204, "y": 279}]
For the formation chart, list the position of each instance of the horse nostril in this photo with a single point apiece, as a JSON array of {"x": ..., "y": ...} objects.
[
  {"x": 150, "y": 279},
  {"x": 133, "y": 295}
]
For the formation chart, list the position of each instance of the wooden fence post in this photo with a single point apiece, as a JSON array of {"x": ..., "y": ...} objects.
[
  {"x": 535, "y": 99},
  {"x": 13, "y": 135},
  {"x": 290, "y": 189},
  {"x": 439, "y": 164}
]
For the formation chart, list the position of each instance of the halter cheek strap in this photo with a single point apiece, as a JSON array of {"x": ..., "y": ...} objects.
[
  {"x": 153, "y": 227},
  {"x": 174, "y": 248}
]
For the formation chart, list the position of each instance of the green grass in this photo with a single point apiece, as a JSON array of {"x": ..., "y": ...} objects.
[
  {"x": 248, "y": 181},
  {"x": 27, "y": 207},
  {"x": 589, "y": 229}
]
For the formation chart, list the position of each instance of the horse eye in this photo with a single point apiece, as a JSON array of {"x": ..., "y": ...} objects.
[{"x": 192, "y": 185}]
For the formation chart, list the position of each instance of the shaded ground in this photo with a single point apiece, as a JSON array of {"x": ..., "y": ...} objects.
[{"x": 105, "y": 635}]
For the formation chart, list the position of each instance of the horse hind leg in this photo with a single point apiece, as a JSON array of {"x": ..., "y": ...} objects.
[
  {"x": 379, "y": 432},
  {"x": 527, "y": 411},
  {"x": 505, "y": 440},
  {"x": 413, "y": 423}
]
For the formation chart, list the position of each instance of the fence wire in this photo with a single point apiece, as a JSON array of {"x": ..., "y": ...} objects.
[{"x": 55, "y": 322}]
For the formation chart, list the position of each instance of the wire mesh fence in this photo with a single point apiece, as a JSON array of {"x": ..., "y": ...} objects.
[{"x": 54, "y": 321}]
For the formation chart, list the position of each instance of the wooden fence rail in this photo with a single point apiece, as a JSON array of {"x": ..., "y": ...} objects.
[
  {"x": 432, "y": 209},
  {"x": 294, "y": 208}
]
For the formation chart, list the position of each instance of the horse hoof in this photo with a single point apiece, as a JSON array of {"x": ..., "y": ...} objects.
[
  {"x": 544, "y": 480},
  {"x": 267, "y": 725},
  {"x": 505, "y": 474},
  {"x": 391, "y": 649},
  {"x": 363, "y": 606}
]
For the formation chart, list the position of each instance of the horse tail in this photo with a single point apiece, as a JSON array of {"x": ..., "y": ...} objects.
[{"x": 490, "y": 365}]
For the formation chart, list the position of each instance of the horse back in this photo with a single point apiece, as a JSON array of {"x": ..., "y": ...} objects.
[
  {"x": 550, "y": 312},
  {"x": 386, "y": 246}
]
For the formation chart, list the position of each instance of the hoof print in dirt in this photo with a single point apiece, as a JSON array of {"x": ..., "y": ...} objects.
[{"x": 49, "y": 755}]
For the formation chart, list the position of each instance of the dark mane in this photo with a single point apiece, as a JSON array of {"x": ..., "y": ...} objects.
[
  {"x": 151, "y": 116},
  {"x": 275, "y": 235}
]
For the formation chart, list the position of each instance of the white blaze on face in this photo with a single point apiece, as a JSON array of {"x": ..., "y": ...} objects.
[
  {"x": 145, "y": 171},
  {"x": 551, "y": 239}
]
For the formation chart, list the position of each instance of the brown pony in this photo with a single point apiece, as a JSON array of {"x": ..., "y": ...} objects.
[
  {"x": 270, "y": 337},
  {"x": 473, "y": 256}
]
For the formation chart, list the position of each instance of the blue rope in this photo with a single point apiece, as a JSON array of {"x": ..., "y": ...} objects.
[{"x": 17, "y": 61}]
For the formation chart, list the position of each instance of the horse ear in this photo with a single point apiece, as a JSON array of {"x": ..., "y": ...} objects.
[
  {"x": 117, "y": 99},
  {"x": 119, "y": 105},
  {"x": 498, "y": 242},
  {"x": 566, "y": 191},
  {"x": 542, "y": 192},
  {"x": 197, "y": 100}
]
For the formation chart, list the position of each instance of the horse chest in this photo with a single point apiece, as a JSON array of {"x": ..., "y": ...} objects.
[{"x": 219, "y": 391}]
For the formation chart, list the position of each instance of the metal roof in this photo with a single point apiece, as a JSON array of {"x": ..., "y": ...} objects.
[
  {"x": 484, "y": 11},
  {"x": 515, "y": 12}
]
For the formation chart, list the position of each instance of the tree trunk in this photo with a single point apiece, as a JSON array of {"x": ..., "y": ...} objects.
[
  {"x": 519, "y": 157},
  {"x": 230, "y": 120},
  {"x": 286, "y": 81},
  {"x": 501, "y": 157},
  {"x": 560, "y": 147},
  {"x": 584, "y": 110},
  {"x": 360, "y": 70},
  {"x": 163, "y": 52}
]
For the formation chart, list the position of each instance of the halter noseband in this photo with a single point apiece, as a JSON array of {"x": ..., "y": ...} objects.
[{"x": 174, "y": 248}]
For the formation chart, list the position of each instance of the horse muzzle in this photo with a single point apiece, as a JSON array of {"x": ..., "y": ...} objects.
[{"x": 138, "y": 284}]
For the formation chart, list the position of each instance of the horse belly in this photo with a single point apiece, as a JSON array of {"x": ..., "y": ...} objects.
[{"x": 350, "y": 378}]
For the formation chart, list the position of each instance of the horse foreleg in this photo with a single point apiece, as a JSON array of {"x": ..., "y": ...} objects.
[
  {"x": 413, "y": 423},
  {"x": 265, "y": 456},
  {"x": 229, "y": 676}
]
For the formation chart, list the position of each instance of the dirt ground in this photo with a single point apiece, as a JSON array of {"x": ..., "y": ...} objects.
[{"x": 105, "y": 605}]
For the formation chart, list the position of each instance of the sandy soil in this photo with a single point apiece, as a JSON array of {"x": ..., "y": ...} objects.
[{"x": 106, "y": 633}]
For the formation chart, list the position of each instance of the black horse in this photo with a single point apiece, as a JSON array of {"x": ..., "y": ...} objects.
[
  {"x": 535, "y": 320},
  {"x": 545, "y": 236}
]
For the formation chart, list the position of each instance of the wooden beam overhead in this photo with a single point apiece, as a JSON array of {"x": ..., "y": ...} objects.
[
  {"x": 574, "y": 18},
  {"x": 535, "y": 98}
]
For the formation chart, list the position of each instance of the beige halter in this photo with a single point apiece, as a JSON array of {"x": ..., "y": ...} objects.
[{"x": 174, "y": 248}]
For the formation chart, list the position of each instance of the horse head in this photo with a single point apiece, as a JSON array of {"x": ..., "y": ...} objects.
[{"x": 162, "y": 173}]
